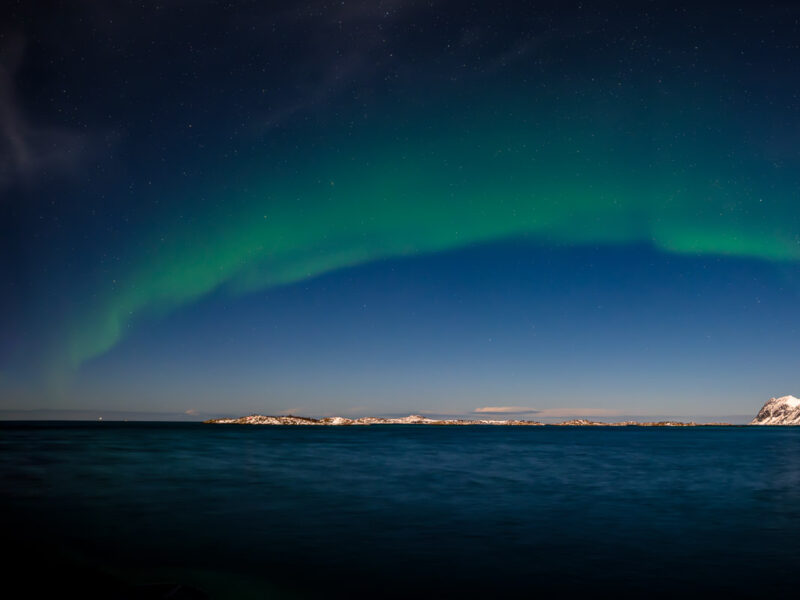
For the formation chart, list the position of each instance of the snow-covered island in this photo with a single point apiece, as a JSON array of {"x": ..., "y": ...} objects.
[
  {"x": 779, "y": 411},
  {"x": 420, "y": 420},
  {"x": 409, "y": 420}
]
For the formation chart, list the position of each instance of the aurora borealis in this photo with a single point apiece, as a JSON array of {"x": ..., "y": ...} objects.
[{"x": 170, "y": 166}]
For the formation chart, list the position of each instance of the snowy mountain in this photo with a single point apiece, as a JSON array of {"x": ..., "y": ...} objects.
[{"x": 779, "y": 411}]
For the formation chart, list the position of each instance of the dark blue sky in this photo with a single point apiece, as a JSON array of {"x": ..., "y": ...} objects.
[
  {"x": 631, "y": 331},
  {"x": 394, "y": 207}
]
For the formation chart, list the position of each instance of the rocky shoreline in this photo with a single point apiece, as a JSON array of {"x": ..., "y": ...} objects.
[{"x": 420, "y": 420}]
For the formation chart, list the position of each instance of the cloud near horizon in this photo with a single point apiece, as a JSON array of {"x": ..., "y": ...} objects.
[
  {"x": 547, "y": 412},
  {"x": 505, "y": 409}
]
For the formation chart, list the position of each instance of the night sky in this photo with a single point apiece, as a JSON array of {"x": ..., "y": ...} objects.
[{"x": 354, "y": 208}]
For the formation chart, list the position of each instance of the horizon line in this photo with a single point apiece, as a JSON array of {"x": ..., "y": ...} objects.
[{"x": 45, "y": 414}]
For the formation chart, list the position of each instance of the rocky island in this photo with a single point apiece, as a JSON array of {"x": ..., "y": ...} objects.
[
  {"x": 420, "y": 420},
  {"x": 409, "y": 420},
  {"x": 779, "y": 411}
]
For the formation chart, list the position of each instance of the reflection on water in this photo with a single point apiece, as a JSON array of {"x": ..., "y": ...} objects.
[{"x": 402, "y": 510}]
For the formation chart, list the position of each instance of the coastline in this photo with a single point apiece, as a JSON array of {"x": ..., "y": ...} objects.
[{"x": 292, "y": 420}]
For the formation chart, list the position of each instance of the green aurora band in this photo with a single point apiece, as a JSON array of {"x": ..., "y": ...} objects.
[{"x": 398, "y": 191}]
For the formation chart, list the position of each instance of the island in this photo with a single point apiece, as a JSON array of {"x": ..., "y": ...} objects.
[
  {"x": 420, "y": 420},
  {"x": 779, "y": 411}
]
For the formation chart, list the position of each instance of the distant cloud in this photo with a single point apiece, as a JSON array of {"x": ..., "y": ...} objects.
[
  {"x": 506, "y": 409},
  {"x": 547, "y": 412},
  {"x": 27, "y": 148}
]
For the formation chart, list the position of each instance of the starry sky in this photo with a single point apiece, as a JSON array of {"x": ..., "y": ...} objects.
[{"x": 551, "y": 208}]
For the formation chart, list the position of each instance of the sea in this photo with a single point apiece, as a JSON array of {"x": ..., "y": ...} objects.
[{"x": 192, "y": 510}]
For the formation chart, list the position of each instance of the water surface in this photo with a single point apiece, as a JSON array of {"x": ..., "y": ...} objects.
[{"x": 397, "y": 511}]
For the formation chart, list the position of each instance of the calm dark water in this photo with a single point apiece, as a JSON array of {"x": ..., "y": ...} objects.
[{"x": 397, "y": 511}]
